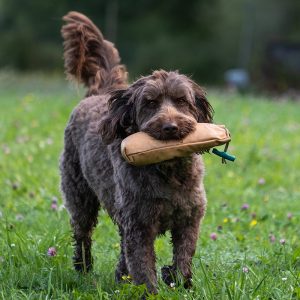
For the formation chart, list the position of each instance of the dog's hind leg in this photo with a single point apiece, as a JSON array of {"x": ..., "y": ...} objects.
[
  {"x": 83, "y": 221},
  {"x": 122, "y": 269},
  {"x": 83, "y": 206}
]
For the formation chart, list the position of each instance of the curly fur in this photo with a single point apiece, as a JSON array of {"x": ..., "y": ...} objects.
[
  {"x": 88, "y": 57},
  {"x": 143, "y": 201}
]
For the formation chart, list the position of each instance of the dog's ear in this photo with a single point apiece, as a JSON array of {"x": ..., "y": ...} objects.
[
  {"x": 119, "y": 121},
  {"x": 204, "y": 109}
]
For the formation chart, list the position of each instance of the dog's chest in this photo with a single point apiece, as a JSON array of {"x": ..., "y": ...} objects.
[
  {"x": 162, "y": 196},
  {"x": 176, "y": 210}
]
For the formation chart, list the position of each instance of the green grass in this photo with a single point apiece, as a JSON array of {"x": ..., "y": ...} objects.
[{"x": 266, "y": 141}]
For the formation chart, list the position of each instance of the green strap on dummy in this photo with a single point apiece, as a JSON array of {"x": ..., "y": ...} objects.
[{"x": 224, "y": 154}]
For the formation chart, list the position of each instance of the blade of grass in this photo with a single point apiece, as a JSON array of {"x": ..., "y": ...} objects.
[
  {"x": 228, "y": 291},
  {"x": 206, "y": 278},
  {"x": 258, "y": 286}
]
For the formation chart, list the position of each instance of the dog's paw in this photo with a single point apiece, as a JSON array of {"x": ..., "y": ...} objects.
[
  {"x": 169, "y": 276},
  {"x": 188, "y": 283}
]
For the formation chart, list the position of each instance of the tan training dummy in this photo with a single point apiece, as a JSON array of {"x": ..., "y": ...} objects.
[{"x": 141, "y": 149}]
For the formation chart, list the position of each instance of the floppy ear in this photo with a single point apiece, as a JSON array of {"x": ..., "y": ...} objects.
[
  {"x": 205, "y": 110},
  {"x": 119, "y": 121}
]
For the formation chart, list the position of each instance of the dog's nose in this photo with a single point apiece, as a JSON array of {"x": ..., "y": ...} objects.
[{"x": 170, "y": 128}]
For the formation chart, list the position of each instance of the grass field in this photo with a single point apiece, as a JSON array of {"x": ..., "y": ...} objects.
[{"x": 253, "y": 209}]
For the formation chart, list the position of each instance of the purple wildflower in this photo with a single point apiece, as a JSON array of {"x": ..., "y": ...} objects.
[
  {"x": 261, "y": 181},
  {"x": 51, "y": 251},
  {"x": 245, "y": 206},
  {"x": 272, "y": 238},
  {"x": 213, "y": 236},
  {"x": 245, "y": 270},
  {"x": 282, "y": 241},
  {"x": 289, "y": 215},
  {"x": 54, "y": 206}
]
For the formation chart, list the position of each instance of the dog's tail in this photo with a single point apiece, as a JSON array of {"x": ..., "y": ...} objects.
[{"x": 89, "y": 58}]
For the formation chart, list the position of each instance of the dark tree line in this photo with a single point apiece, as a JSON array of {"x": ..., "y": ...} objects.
[{"x": 198, "y": 37}]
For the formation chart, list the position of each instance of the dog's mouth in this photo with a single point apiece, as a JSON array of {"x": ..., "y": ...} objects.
[
  {"x": 167, "y": 137},
  {"x": 170, "y": 130}
]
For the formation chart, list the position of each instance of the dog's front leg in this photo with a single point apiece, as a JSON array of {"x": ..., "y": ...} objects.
[
  {"x": 184, "y": 238},
  {"x": 140, "y": 255}
]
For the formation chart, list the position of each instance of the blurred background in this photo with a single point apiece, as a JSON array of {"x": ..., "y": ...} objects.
[{"x": 245, "y": 44}]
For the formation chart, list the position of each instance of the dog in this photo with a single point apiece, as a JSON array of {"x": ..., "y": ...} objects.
[{"x": 143, "y": 202}]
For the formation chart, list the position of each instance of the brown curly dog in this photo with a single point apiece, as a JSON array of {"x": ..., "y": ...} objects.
[{"x": 143, "y": 201}]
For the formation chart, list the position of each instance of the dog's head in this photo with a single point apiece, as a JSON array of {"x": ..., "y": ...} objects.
[{"x": 166, "y": 105}]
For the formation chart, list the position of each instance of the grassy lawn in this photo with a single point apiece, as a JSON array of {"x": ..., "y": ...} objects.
[{"x": 253, "y": 204}]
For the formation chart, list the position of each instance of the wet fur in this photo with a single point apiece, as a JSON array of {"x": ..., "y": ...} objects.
[{"x": 143, "y": 201}]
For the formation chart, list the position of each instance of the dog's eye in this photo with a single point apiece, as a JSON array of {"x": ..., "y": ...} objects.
[
  {"x": 152, "y": 104},
  {"x": 180, "y": 101}
]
